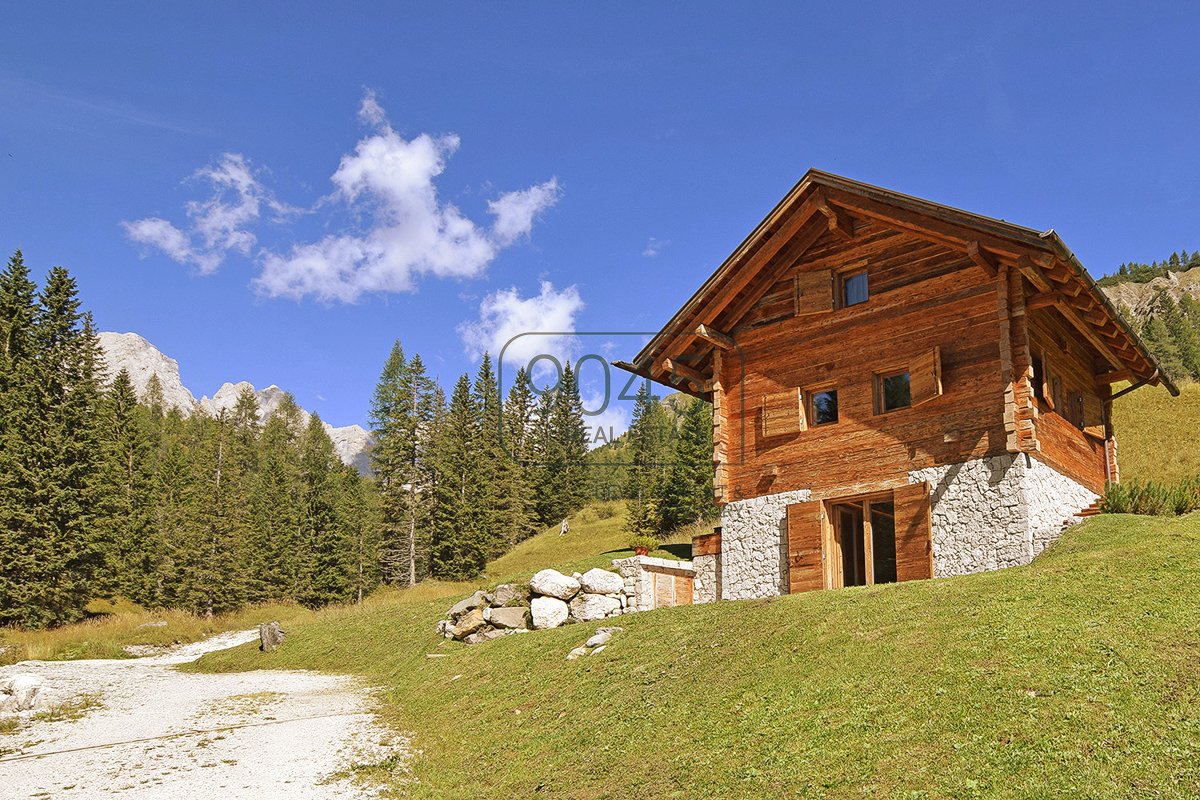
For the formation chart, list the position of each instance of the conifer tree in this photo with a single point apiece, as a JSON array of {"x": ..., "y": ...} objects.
[
  {"x": 127, "y": 491},
  {"x": 517, "y": 443},
  {"x": 1158, "y": 339},
  {"x": 650, "y": 434},
  {"x": 686, "y": 494},
  {"x": 326, "y": 551},
  {"x": 273, "y": 571},
  {"x": 459, "y": 547}
]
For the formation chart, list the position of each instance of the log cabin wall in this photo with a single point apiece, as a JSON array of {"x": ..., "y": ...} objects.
[
  {"x": 1070, "y": 402},
  {"x": 922, "y": 296}
]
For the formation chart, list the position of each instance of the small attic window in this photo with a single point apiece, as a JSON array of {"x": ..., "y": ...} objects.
[{"x": 854, "y": 288}]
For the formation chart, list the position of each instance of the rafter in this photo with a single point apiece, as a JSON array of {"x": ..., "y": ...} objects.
[
  {"x": 981, "y": 257},
  {"x": 714, "y": 337},
  {"x": 838, "y": 222},
  {"x": 682, "y": 372}
]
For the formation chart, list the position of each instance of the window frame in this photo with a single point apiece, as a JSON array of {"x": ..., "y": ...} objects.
[
  {"x": 844, "y": 276},
  {"x": 880, "y": 396},
  {"x": 811, "y": 407}
]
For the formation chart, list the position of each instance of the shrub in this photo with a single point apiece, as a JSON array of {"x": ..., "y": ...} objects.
[
  {"x": 1151, "y": 498},
  {"x": 648, "y": 542}
]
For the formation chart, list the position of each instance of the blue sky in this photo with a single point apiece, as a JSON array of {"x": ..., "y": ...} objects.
[{"x": 446, "y": 174}]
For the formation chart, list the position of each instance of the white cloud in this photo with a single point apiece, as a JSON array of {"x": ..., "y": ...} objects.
[
  {"x": 546, "y": 319},
  {"x": 218, "y": 225},
  {"x": 654, "y": 247},
  {"x": 412, "y": 232},
  {"x": 516, "y": 211},
  {"x": 389, "y": 182},
  {"x": 609, "y": 423}
]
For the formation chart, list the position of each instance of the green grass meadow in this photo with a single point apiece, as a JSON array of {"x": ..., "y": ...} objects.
[{"x": 1077, "y": 676}]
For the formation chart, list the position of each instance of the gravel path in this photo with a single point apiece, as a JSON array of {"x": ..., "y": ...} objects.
[{"x": 162, "y": 733}]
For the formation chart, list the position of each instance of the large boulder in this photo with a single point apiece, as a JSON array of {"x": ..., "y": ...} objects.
[
  {"x": 601, "y": 581},
  {"x": 513, "y": 617},
  {"x": 552, "y": 583},
  {"x": 20, "y": 692},
  {"x": 548, "y": 612},
  {"x": 468, "y": 623},
  {"x": 588, "y": 607},
  {"x": 477, "y": 600},
  {"x": 507, "y": 594}
]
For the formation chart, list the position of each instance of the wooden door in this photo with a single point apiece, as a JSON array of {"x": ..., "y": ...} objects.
[
  {"x": 806, "y": 556},
  {"x": 914, "y": 540}
]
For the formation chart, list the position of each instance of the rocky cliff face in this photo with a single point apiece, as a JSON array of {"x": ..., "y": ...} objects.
[
  {"x": 1139, "y": 297},
  {"x": 141, "y": 360}
]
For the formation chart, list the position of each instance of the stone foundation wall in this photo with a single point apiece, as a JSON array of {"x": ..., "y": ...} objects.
[
  {"x": 997, "y": 512},
  {"x": 754, "y": 545},
  {"x": 1052, "y": 498},
  {"x": 708, "y": 578}
]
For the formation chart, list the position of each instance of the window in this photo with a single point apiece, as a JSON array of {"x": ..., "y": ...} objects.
[
  {"x": 1039, "y": 377},
  {"x": 854, "y": 288},
  {"x": 892, "y": 392},
  {"x": 823, "y": 407}
]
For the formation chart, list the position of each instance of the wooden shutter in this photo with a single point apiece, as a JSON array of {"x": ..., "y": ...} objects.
[
  {"x": 814, "y": 292},
  {"x": 806, "y": 562},
  {"x": 914, "y": 541},
  {"x": 1047, "y": 381},
  {"x": 925, "y": 376},
  {"x": 782, "y": 413}
]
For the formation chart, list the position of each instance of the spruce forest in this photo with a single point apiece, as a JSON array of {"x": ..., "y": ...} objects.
[
  {"x": 1170, "y": 327},
  {"x": 104, "y": 493}
]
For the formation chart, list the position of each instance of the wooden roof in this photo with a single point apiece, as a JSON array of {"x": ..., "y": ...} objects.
[{"x": 680, "y": 355}]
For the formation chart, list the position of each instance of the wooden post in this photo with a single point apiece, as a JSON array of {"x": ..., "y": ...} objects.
[{"x": 718, "y": 431}]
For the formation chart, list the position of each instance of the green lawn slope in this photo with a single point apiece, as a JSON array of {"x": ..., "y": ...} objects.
[
  {"x": 1158, "y": 436},
  {"x": 1073, "y": 677}
]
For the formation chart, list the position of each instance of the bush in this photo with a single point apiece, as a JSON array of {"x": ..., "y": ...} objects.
[
  {"x": 648, "y": 542},
  {"x": 1151, "y": 498}
]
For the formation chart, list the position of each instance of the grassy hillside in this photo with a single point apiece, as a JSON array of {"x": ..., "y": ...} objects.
[
  {"x": 1158, "y": 436},
  {"x": 1072, "y": 677}
]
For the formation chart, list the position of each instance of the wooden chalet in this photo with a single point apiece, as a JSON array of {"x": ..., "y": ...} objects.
[{"x": 898, "y": 387}]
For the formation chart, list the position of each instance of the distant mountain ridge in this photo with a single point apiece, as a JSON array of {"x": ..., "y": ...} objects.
[{"x": 141, "y": 359}]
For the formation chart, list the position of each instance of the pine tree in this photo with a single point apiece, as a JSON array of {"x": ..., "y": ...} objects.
[
  {"x": 686, "y": 494},
  {"x": 517, "y": 443},
  {"x": 127, "y": 491},
  {"x": 274, "y": 539},
  {"x": 326, "y": 550},
  {"x": 495, "y": 494},
  {"x": 1182, "y": 332},
  {"x": 459, "y": 546},
  {"x": 650, "y": 434},
  {"x": 1158, "y": 339}
]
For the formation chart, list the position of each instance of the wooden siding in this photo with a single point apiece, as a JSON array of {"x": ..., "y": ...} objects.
[
  {"x": 1074, "y": 363},
  {"x": 922, "y": 296}
]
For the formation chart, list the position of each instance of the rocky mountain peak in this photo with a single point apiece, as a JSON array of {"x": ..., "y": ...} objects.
[{"x": 141, "y": 360}]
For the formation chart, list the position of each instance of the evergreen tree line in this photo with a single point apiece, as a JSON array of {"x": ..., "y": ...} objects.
[
  {"x": 669, "y": 477},
  {"x": 1133, "y": 272},
  {"x": 1172, "y": 332},
  {"x": 103, "y": 493},
  {"x": 461, "y": 481}
]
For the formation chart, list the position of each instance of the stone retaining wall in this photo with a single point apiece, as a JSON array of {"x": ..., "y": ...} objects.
[{"x": 656, "y": 582}]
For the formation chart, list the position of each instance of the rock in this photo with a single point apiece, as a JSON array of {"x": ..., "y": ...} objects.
[
  {"x": 611, "y": 630},
  {"x": 588, "y": 607},
  {"x": 576, "y": 575},
  {"x": 598, "y": 639},
  {"x": 486, "y": 635},
  {"x": 474, "y": 638},
  {"x": 436, "y": 655},
  {"x": 552, "y": 583},
  {"x": 576, "y": 653},
  {"x": 443, "y": 627},
  {"x": 506, "y": 594},
  {"x": 468, "y": 623},
  {"x": 597, "y": 650},
  {"x": 477, "y": 600},
  {"x": 270, "y": 636},
  {"x": 507, "y": 617},
  {"x": 21, "y": 692},
  {"x": 601, "y": 581},
  {"x": 548, "y": 612}
]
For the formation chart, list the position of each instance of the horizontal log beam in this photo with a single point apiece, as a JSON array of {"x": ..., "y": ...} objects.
[
  {"x": 681, "y": 372},
  {"x": 982, "y": 257},
  {"x": 715, "y": 337},
  {"x": 1043, "y": 300},
  {"x": 1115, "y": 376}
]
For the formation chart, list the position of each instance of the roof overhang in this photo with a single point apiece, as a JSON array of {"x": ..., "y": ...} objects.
[{"x": 680, "y": 355}]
